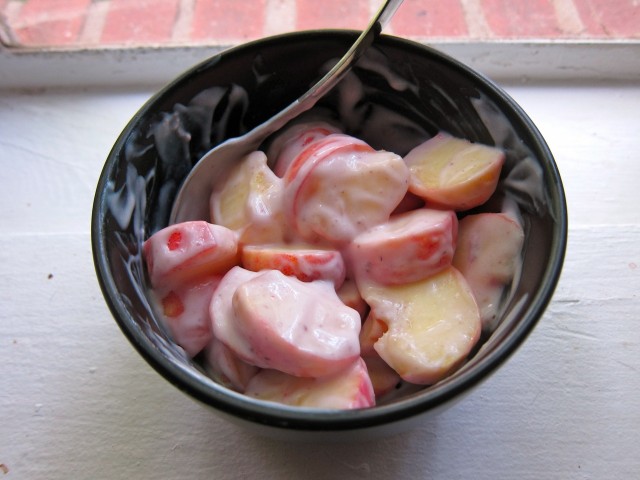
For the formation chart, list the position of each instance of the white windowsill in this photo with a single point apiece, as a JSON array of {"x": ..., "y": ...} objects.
[{"x": 153, "y": 66}]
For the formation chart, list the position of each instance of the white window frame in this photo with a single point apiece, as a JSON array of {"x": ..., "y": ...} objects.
[{"x": 150, "y": 66}]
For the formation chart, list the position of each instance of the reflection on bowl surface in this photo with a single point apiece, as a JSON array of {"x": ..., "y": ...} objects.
[{"x": 400, "y": 94}]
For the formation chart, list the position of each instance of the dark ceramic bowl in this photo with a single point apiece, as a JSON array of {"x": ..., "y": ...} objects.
[{"x": 401, "y": 94}]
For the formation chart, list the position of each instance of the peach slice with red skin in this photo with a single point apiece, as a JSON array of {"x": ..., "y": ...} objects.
[
  {"x": 372, "y": 329},
  {"x": 274, "y": 321},
  {"x": 300, "y": 328},
  {"x": 185, "y": 313},
  {"x": 454, "y": 173},
  {"x": 185, "y": 252},
  {"x": 223, "y": 321},
  {"x": 350, "y": 388},
  {"x": 309, "y": 156},
  {"x": 410, "y": 202},
  {"x": 249, "y": 201},
  {"x": 409, "y": 247},
  {"x": 288, "y": 145},
  {"x": 489, "y": 256},
  {"x": 339, "y": 187},
  {"x": 432, "y": 325},
  {"x": 305, "y": 263},
  {"x": 383, "y": 378},
  {"x": 225, "y": 366},
  {"x": 351, "y": 297}
]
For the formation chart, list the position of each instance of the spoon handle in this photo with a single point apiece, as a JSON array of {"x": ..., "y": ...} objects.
[
  {"x": 330, "y": 79},
  {"x": 364, "y": 41},
  {"x": 192, "y": 202}
]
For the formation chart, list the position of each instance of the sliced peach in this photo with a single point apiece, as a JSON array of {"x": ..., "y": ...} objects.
[
  {"x": 489, "y": 256},
  {"x": 409, "y": 247},
  {"x": 300, "y": 328},
  {"x": 223, "y": 321},
  {"x": 432, "y": 325},
  {"x": 249, "y": 200},
  {"x": 383, "y": 378},
  {"x": 351, "y": 297},
  {"x": 304, "y": 263},
  {"x": 308, "y": 157},
  {"x": 343, "y": 192},
  {"x": 372, "y": 329},
  {"x": 188, "y": 251},
  {"x": 292, "y": 141},
  {"x": 185, "y": 313},
  {"x": 225, "y": 366},
  {"x": 410, "y": 202},
  {"x": 453, "y": 172},
  {"x": 349, "y": 388}
]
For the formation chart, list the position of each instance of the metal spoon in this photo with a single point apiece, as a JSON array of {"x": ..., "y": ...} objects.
[{"x": 192, "y": 200}]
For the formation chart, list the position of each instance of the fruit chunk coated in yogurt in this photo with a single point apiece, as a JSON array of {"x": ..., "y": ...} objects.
[
  {"x": 411, "y": 246},
  {"x": 346, "y": 269},
  {"x": 179, "y": 254},
  {"x": 278, "y": 322},
  {"x": 339, "y": 186}
]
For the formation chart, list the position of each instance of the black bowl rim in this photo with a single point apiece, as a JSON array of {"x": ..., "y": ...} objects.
[{"x": 210, "y": 393}]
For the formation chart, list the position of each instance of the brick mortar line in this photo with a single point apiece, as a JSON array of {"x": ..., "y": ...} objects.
[
  {"x": 374, "y": 6},
  {"x": 41, "y": 17},
  {"x": 477, "y": 25},
  {"x": 279, "y": 16},
  {"x": 569, "y": 19},
  {"x": 94, "y": 23},
  {"x": 11, "y": 12},
  {"x": 182, "y": 27}
]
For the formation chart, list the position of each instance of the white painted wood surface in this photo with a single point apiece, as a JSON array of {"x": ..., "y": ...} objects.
[
  {"x": 77, "y": 402},
  {"x": 524, "y": 59}
]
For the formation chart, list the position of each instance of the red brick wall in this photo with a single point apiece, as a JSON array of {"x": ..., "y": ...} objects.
[{"x": 71, "y": 22}]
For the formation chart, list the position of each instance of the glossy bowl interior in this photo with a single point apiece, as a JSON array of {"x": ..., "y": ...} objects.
[{"x": 400, "y": 94}]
